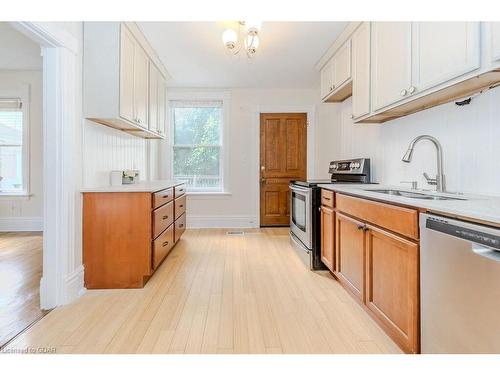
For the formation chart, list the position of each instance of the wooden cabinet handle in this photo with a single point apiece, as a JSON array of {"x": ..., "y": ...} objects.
[
  {"x": 165, "y": 217},
  {"x": 164, "y": 244}
]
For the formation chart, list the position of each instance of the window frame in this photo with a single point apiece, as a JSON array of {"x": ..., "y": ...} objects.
[
  {"x": 190, "y": 96},
  {"x": 22, "y": 94}
]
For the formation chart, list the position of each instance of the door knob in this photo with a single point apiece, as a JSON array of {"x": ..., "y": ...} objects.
[{"x": 262, "y": 168}]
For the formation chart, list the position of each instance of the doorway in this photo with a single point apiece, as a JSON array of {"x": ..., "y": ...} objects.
[{"x": 283, "y": 157}]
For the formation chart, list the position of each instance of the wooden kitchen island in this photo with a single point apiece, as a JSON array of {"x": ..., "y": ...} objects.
[{"x": 128, "y": 231}]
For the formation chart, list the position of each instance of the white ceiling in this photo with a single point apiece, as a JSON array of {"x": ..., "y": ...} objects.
[
  {"x": 17, "y": 51},
  {"x": 194, "y": 55}
]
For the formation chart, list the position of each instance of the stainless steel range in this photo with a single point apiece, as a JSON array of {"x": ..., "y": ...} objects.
[{"x": 305, "y": 202}]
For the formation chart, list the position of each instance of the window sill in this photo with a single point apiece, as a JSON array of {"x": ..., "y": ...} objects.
[
  {"x": 15, "y": 196},
  {"x": 208, "y": 194}
]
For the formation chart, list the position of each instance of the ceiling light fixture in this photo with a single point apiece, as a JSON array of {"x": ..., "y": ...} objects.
[{"x": 247, "y": 36}]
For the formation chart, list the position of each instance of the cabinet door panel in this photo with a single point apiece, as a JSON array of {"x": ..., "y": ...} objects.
[
  {"x": 342, "y": 65},
  {"x": 141, "y": 75},
  {"x": 391, "y": 62},
  {"x": 495, "y": 40},
  {"x": 443, "y": 51},
  {"x": 350, "y": 254},
  {"x": 361, "y": 71},
  {"x": 162, "y": 104},
  {"x": 327, "y": 79},
  {"x": 153, "y": 98},
  {"x": 327, "y": 237},
  {"x": 127, "y": 45},
  {"x": 392, "y": 285}
]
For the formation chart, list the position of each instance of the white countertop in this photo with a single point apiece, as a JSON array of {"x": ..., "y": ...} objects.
[
  {"x": 142, "y": 186},
  {"x": 476, "y": 207}
]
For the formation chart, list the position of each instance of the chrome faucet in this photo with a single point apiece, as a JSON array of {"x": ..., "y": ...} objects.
[{"x": 439, "y": 181}]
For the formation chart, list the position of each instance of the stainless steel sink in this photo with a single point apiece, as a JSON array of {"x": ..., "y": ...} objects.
[{"x": 414, "y": 194}]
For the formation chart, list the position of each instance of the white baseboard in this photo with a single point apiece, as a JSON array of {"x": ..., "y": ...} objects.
[
  {"x": 214, "y": 221},
  {"x": 21, "y": 224},
  {"x": 74, "y": 285}
]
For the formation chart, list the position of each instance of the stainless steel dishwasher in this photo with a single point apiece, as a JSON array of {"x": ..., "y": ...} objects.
[{"x": 459, "y": 286}]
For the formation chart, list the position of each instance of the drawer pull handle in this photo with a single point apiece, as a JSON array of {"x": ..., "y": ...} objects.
[
  {"x": 181, "y": 206},
  {"x": 166, "y": 196},
  {"x": 165, "y": 217},
  {"x": 181, "y": 225},
  {"x": 361, "y": 227},
  {"x": 327, "y": 199},
  {"x": 164, "y": 244}
]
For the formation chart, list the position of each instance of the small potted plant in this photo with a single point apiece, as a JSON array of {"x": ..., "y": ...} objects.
[{"x": 130, "y": 176}]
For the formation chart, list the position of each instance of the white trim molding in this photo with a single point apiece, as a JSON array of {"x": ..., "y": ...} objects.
[
  {"x": 21, "y": 224},
  {"x": 62, "y": 276},
  {"x": 220, "y": 221}
]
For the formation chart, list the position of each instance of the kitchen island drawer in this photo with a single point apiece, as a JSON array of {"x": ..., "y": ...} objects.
[
  {"x": 162, "y": 245},
  {"x": 327, "y": 198},
  {"x": 162, "y": 218},
  {"x": 180, "y": 227},
  {"x": 180, "y": 206},
  {"x": 162, "y": 197},
  {"x": 180, "y": 190},
  {"x": 398, "y": 219}
]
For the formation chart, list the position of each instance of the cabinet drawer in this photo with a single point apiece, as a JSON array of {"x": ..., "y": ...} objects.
[
  {"x": 162, "y": 245},
  {"x": 162, "y": 218},
  {"x": 327, "y": 198},
  {"x": 394, "y": 218},
  {"x": 162, "y": 197},
  {"x": 180, "y": 227},
  {"x": 180, "y": 190},
  {"x": 180, "y": 206}
]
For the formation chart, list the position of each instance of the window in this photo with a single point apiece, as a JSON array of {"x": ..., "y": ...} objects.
[
  {"x": 12, "y": 143},
  {"x": 197, "y": 144}
]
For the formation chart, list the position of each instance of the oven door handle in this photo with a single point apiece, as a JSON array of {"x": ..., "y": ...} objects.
[{"x": 301, "y": 190}]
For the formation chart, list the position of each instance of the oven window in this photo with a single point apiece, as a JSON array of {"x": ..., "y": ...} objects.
[{"x": 299, "y": 211}]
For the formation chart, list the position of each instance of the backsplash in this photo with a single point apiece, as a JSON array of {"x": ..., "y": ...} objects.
[
  {"x": 106, "y": 149},
  {"x": 469, "y": 136}
]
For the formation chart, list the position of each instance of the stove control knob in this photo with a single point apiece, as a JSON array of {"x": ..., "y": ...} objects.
[
  {"x": 356, "y": 165},
  {"x": 352, "y": 166},
  {"x": 335, "y": 166}
]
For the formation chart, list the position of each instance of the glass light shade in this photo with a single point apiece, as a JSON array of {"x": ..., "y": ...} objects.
[
  {"x": 229, "y": 38},
  {"x": 253, "y": 26},
  {"x": 252, "y": 42}
]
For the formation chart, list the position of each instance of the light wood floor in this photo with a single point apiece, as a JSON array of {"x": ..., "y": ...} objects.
[
  {"x": 20, "y": 273},
  {"x": 217, "y": 293}
]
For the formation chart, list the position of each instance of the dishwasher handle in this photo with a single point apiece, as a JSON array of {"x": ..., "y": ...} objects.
[
  {"x": 486, "y": 252},
  {"x": 480, "y": 235}
]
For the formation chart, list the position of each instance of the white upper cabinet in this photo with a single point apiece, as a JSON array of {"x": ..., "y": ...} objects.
[
  {"x": 118, "y": 90},
  {"x": 391, "y": 62},
  {"x": 442, "y": 51},
  {"x": 127, "y": 47},
  {"x": 361, "y": 71},
  {"x": 342, "y": 65},
  {"x": 495, "y": 40},
  {"x": 157, "y": 100},
  {"x": 327, "y": 79}
]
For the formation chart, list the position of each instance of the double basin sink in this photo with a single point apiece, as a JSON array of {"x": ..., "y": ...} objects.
[{"x": 415, "y": 194}]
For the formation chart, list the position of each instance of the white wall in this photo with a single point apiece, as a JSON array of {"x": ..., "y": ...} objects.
[
  {"x": 469, "y": 136},
  {"x": 241, "y": 207},
  {"x": 26, "y": 213}
]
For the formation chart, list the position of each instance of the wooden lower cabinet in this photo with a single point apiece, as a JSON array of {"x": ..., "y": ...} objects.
[
  {"x": 327, "y": 237},
  {"x": 126, "y": 235},
  {"x": 379, "y": 267},
  {"x": 392, "y": 286},
  {"x": 350, "y": 254}
]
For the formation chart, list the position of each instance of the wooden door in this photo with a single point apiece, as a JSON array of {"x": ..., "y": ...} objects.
[
  {"x": 361, "y": 71},
  {"x": 442, "y": 51},
  {"x": 391, "y": 62},
  {"x": 350, "y": 254},
  {"x": 283, "y": 147},
  {"x": 141, "y": 79},
  {"x": 327, "y": 237},
  {"x": 392, "y": 286},
  {"x": 127, "y": 44}
]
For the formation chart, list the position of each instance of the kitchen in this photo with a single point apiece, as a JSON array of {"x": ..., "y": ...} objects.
[{"x": 236, "y": 206}]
